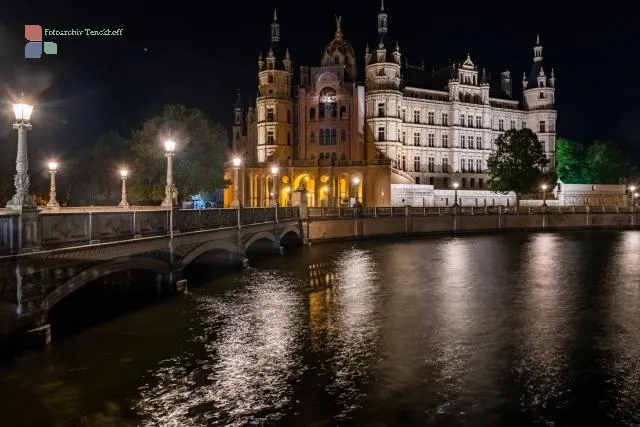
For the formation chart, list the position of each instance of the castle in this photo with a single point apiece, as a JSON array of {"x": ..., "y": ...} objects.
[{"x": 344, "y": 141}]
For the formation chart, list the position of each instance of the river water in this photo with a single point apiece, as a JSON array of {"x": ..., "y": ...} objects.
[{"x": 479, "y": 330}]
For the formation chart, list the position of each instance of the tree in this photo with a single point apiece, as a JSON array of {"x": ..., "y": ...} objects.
[
  {"x": 605, "y": 163},
  {"x": 97, "y": 181},
  {"x": 198, "y": 164},
  {"x": 570, "y": 161},
  {"x": 517, "y": 163}
]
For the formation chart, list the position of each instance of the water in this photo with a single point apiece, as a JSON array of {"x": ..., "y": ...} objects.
[{"x": 485, "y": 330}]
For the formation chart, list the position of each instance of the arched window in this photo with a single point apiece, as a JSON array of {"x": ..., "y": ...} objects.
[
  {"x": 312, "y": 114},
  {"x": 467, "y": 98},
  {"x": 343, "y": 113}
]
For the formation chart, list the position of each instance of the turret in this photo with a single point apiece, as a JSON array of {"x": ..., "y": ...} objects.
[
  {"x": 505, "y": 83},
  {"x": 381, "y": 68},
  {"x": 538, "y": 89}
]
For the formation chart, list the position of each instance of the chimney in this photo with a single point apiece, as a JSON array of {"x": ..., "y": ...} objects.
[{"x": 505, "y": 82}]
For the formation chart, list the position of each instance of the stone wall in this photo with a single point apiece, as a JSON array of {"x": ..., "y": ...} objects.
[
  {"x": 369, "y": 227},
  {"x": 420, "y": 195},
  {"x": 591, "y": 194}
]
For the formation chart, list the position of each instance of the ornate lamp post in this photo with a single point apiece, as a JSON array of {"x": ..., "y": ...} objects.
[
  {"x": 544, "y": 195},
  {"x": 170, "y": 192},
  {"x": 52, "y": 203},
  {"x": 236, "y": 167},
  {"x": 455, "y": 195},
  {"x": 356, "y": 182},
  {"x": 21, "y": 199},
  {"x": 274, "y": 175},
  {"x": 632, "y": 189},
  {"x": 123, "y": 174}
]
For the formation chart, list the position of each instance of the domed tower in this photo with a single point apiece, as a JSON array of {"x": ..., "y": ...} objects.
[
  {"x": 275, "y": 102},
  {"x": 340, "y": 52},
  {"x": 539, "y": 90},
  {"x": 383, "y": 98}
]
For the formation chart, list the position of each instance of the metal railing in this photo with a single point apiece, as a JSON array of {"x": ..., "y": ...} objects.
[{"x": 401, "y": 211}]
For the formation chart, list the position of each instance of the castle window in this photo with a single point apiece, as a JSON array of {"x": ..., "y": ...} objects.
[
  {"x": 288, "y": 116},
  {"x": 478, "y": 121},
  {"x": 404, "y": 114},
  {"x": 321, "y": 112},
  {"x": 513, "y": 124},
  {"x": 270, "y": 114},
  {"x": 381, "y": 134},
  {"x": 381, "y": 110},
  {"x": 416, "y": 116},
  {"x": 431, "y": 140},
  {"x": 312, "y": 137},
  {"x": 500, "y": 124},
  {"x": 470, "y": 163},
  {"x": 270, "y": 137},
  {"x": 417, "y": 177},
  {"x": 445, "y": 141},
  {"x": 467, "y": 97},
  {"x": 541, "y": 95},
  {"x": 404, "y": 163},
  {"x": 470, "y": 120},
  {"x": 343, "y": 113},
  {"x": 430, "y": 118},
  {"x": 445, "y": 119},
  {"x": 461, "y": 119},
  {"x": 288, "y": 138},
  {"x": 321, "y": 156},
  {"x": 416, "y": 138},
  {"x": 479, "y": 143},
  {"x": 470, "y": 142},
  {"x": 463, "y": 141},
  {"x": 312, "y": 114},
  {"x": 524, "y": 125},
  {"x": 543, "y": 126},
  {"x": 321, "y": 137},
  {"x": 333, "y": 136},
  {"x": 478, "y": 165},
  {"x": 404, "y": 137},
  {"x": 343, "y": 136},
  {"x": 445, "y": 167},
  {"x": 270, "y": 78},
  {"x": 431, "y": 164},
  {"x": 480, "y": 182}
]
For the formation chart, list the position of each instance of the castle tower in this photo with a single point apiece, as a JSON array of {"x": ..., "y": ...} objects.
[
  {"x": 383, "y": 98},
  {"x": 275, "y": 102},
  {"x": 539, "y": 100}
]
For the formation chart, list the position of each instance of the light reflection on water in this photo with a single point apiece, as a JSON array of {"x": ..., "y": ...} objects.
[{"x": 500, "y": 330}]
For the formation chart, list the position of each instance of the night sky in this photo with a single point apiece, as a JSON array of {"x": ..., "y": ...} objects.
[{"x": 201, "y": 53}]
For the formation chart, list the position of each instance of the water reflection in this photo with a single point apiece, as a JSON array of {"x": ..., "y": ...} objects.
[
  {"x": 252, "y": 346},
  {"x": 623, "y": 328},
  {"x": 353, "y": 341},
  {"x": 547, "y": 304}
]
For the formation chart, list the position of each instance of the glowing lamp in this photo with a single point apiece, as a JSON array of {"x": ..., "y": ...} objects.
[
  {"x": 53, "y": 166},
  {"x": 124, "y": 173},
  {"x": 169, "y": 146},
  {"x": 22, "y": 111},
  {"x": 275, "y": 170},
  {"x": 236, "y": 162}
]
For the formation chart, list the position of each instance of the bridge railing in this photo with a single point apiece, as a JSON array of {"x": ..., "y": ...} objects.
[
  {"x": 396, "y": 211},
  {"x": 57, "y": 229}
]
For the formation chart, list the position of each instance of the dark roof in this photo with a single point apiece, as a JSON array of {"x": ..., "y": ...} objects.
[
  {"x": 419, "y": 77},
  {"x": 532, "y": 80}
]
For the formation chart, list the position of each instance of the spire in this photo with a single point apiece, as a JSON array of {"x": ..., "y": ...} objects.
[
  {"x": 338, "y": 27},
  {"x": 537, "y": 50},
  {"x": 275, "y": 28},
  {"x": 238, "y": 101},
  {"x": 286, "y": 55},
  {"x": 397, "y": 46},
  {"x": 483, "y": 79},
  {"x": 382, "y": 24}
]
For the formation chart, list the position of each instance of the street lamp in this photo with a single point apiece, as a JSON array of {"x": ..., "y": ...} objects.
[
  {"x": 52, "y": 203},
  {"x": 170, "y": 192},
  {"x": 632, "y": 189},
  {"x": 356, "y": 182},
  {"x": 544, "y": 195},
  {"x": 236, "y": 166},
  {"x": 123, "y": 174},
  {"x": 274, "y": 175},
  {"x": 21, "y": 199},
  {"x": 455, "y": 194}
]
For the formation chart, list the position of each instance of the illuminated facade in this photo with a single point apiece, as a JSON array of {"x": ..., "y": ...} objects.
[{"x": 404, "y": 126}]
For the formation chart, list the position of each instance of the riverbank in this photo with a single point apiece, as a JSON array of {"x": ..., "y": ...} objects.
[{"x": 326, "y": 228}]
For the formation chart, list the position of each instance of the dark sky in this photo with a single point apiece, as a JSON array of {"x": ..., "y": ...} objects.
[{"x": 201, "y": 53}]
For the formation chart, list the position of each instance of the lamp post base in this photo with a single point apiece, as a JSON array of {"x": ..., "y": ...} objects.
[
  {"x": 124, "y": 204},
  {"x": 22, "y": 202},
  {"x": 53, "y": 204}
]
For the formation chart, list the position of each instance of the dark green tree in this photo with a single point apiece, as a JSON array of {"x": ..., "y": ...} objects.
[
  {"x": 198, "y": 165},
  {"x": 570, "y": 161},
  {"x": 517, "y": 163},
  {"x": 96, "y": 180},
  {"x": 605, "y": 163}
]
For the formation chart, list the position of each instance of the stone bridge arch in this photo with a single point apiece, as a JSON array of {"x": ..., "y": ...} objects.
[
  {"x": 292, "y": 229},
  {"x": 263, "y": 235},
  {"x": 215, "y": 245},
  {"x": 90, "y": 274}
]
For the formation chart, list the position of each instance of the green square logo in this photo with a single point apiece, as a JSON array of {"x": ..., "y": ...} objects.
[{"x": 50, "y": 48}]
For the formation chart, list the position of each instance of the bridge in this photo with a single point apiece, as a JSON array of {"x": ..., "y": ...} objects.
[{"x": 47, "y": 255}]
